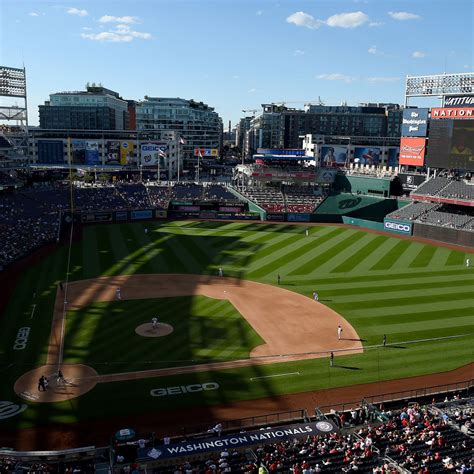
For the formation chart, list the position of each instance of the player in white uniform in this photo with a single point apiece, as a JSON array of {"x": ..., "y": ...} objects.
[
  {"x": 154, "y": 322},
  {"x": 468, "y": 262},
  {"x": 118, "y": 293},
  {"x": 221, "y": 272},
  {"x": 339, "y": 332}
]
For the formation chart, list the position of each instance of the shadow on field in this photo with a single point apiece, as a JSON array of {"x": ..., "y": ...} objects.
[{"x": 348, "y": 367}]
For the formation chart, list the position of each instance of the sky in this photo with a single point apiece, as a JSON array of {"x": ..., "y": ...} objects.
[{"x": 235, "y": 54}]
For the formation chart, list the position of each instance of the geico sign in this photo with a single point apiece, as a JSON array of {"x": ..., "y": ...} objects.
[
  {"x": 163, "y": 392},
  {"x": 21, "y": 339},
  {"x": 397, "y": 226}
]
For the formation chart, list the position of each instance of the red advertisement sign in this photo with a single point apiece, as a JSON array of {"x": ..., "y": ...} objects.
[
  {"x": 412, "y": 151},
  {"x": 452, "y": 113}
]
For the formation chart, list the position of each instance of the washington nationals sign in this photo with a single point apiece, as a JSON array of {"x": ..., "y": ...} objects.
[{"x": 237, "y": 440}]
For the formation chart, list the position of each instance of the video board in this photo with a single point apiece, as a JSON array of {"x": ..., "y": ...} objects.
[{"x": 451, "y": 144}]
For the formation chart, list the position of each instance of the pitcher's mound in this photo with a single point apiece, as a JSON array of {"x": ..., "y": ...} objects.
[
  {"x": 146, "y": 330},
  {"x": 78, "y": 379}
]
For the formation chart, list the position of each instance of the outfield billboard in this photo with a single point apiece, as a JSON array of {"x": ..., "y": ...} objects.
[
  {"x": 78, "y": 151},
  {"x": 126, "y": 153},
  {"x": 452, "y": 113},
  {"x": 415, "y": 122},
  {"x": 333, "y": 154},
  {"x": 135, "y": 215},
  {"x": 459, "y": 101},
  {"x": 207, "y": 152},
  {"x": 112, "y": 153},
  {"x": 367, "y": 155},
  {"x": 51, "y": 151},
  {"x": 399, "y": 227},
  {"x": 92, "y": 153},
  {"x": 412, "y": 151},
  {"x": 151, "y": 153}
]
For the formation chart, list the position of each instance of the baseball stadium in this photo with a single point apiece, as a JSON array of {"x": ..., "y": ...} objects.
[{"x": 203, "y": 326}]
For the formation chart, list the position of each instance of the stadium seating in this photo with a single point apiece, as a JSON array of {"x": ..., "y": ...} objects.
[
  {"x": 423, "y": 439},
  {"x": 432, "y": 187},
  {"x": 458, "y": 190},
  {"x": 413, "y": 211},
  {"x": 159, "y": 196},
  {"x": 104, "y": 198},
  {"x": 135, "y": 194}
]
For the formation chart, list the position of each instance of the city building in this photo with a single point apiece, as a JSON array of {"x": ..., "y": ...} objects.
[
  {"x": 281, "y": 127},
  {"x": 197, "y": 123},
  {"x": 96, "y": 108}
]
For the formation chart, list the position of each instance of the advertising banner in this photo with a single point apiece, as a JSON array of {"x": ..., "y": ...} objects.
[
  {"x": 275, "y": 217},
  {"x": 400, "y": 227},
  {"x": 207, "y": 152},
  {"x": 459, "y": 101},
  {"x": 412, "y": 151},
  {"x": 292, "y": 217},
  {"x": 121, "y": 215},
  {"x": 161, "y": 214},
  {"x": 333, "y": 154},
  {"x": 153, "y": 153},
  {"x": 280, "y": 151},
  {"x": 393, "y": 157},
  {"x": 367, "y": 155},
  {"x": 452, "y": 113},
  {"x": 92, "y": 153},
  {"x": 103, "y": 217},
  {"x": 230, "y": 209},
  {"x": 415, "y": 122},
  {"x": 78, "y": 151},
  {"x": 276, "y": 434},
  {"x": 126, "y": 153},
  {"x": 112, "y": 152},
  {"x": 325, "y": 176},
  {"x": 141, "y": 215}
]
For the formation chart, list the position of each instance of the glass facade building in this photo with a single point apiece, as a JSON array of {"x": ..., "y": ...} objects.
[
  {"x": 199, "y": 124},
  {"x": 97, "y": 108}
]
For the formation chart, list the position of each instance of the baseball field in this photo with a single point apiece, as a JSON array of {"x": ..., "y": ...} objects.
[{"x": 241, "y": 336}]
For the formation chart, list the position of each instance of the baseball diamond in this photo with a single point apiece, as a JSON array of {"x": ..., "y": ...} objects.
[{"x": 241, "y": 337}]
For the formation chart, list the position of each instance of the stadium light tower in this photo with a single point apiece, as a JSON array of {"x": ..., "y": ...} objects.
[
  {"x": 13, "y": 85},
  {"x": 439, "y": 85}
]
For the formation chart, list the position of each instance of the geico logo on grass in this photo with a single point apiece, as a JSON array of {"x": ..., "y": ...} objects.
[
  {"x": 9, "y": 409},
  {"x": 397, "y": 226},
  {"x": 179, "y": 390},
  {"x": 21, "y": 339}
]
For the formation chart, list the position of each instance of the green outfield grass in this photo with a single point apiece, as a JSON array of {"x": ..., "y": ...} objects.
[{"x": 380, "y": 284}]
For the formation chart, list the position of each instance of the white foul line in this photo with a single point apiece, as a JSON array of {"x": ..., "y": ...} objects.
[
  {"x": 33, "y": 311},
  {"x": 270, "y": 376}
]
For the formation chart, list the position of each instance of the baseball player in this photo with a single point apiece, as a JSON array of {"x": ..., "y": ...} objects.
[
  {"x": 278, "y": 279},
  {"x": 339, "y": 332},
  {"x": 315, "y": 296},
  {"x": 221, "y": 272},
  {"x": 118, "y": 293},
  {"x": 468, "y": 262},
  {"x": 60, "y": 379},
  {"x": 331, "y": 359},
  {"x": 154, "y": 322},
  {"x": 307, "y": 232},
  {"x": 384, "y": 340}
]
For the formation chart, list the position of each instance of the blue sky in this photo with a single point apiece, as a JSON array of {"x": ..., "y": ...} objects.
[{"x": 235, "y": 54}]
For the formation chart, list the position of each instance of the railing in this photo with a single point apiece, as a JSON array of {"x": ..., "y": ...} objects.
[
  {"x": 464, "y": 386},
  {"x": 250, "y": 422}
]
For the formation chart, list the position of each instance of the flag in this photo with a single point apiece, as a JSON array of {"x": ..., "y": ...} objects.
[
  {"x": 182, "y": 141},
  {"x": 80, "y": 172},
  {"x": 199, "y": 153},
  {"x": 162, "y": 153}
]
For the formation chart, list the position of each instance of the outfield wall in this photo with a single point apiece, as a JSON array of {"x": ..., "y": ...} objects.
[{"x": 444, "y": 234}]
